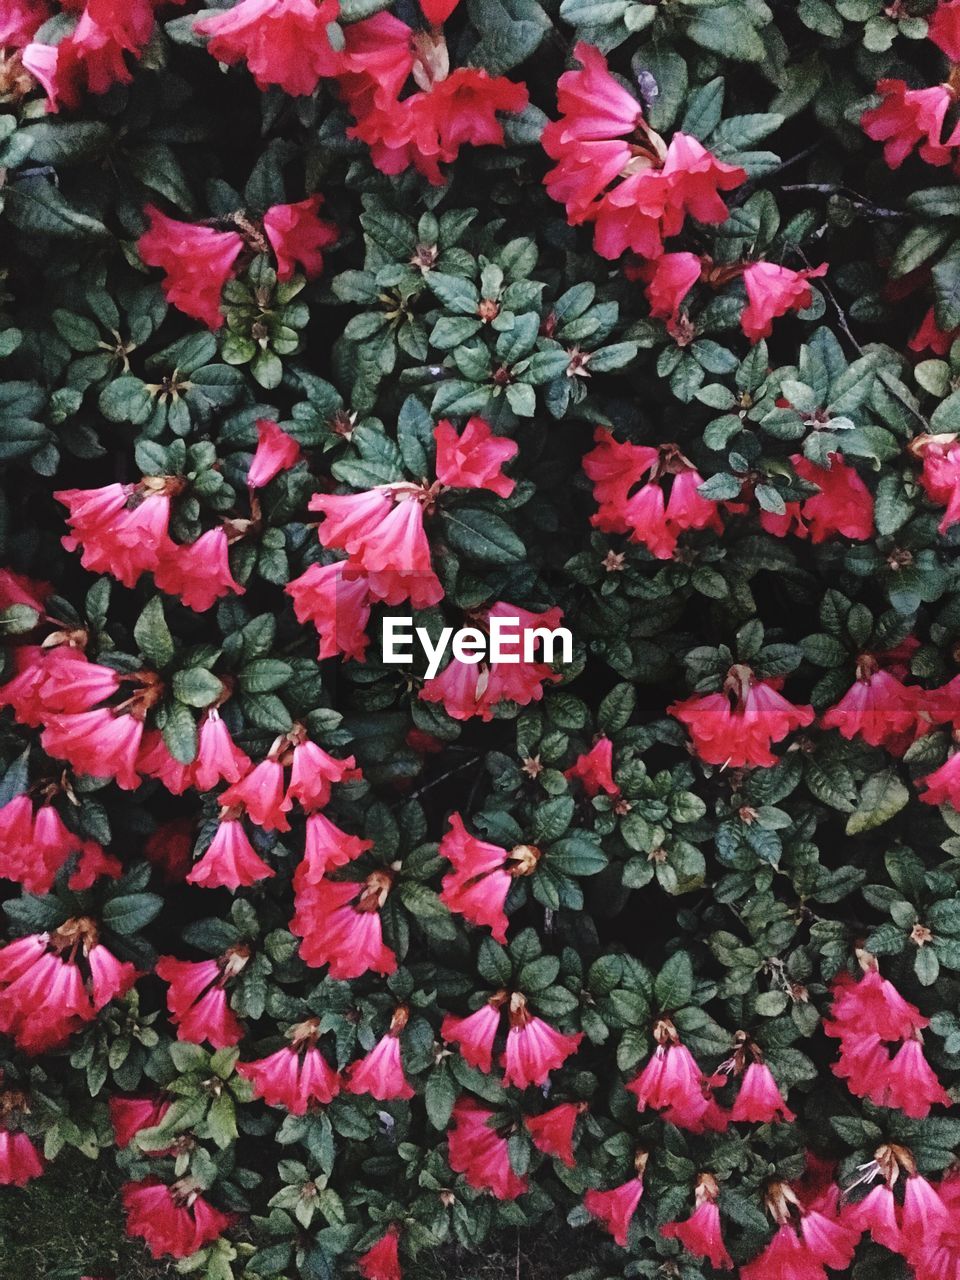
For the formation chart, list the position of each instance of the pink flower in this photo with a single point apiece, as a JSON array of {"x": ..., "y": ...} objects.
[
  {"x": 906, "y": 117},
  {"x": 197, "y": 999},
  {"x": 171, "y": 1220},
  {"x": 20, "y": 1161},
  {"x": 230, "y": 860},
  {"x": 759, "y": 1099},
  {"x": 337, "y": 602},
  {"x": 116, "y": 537},
  {"x": 312, "y": 774},
  {"x": 830, "y": 1241},
  {"x": 198, "y": 572},
  {"x": 909, "y": 1084},
  {"x": 534, "y": 1048},
  {"x": 109, "y": 977},
  {"x": 670, "y": 278},
  {"x": 923, "y": 1210},
  {"x": 380, "y": 1073},
  {"x": 673, "y": 1083},
  {"x": 473, "y": 459},
  {"x": 844, "y": 504},
  {"x": 475, "y": 1033},
  {"x": 382, "y": 1260},
  {"x": 350, "y": 517},
  {"x": 943, "y": 28},
  {"x": 872, "y": 1005},
  {"x": 298, "y": 236},
  {"x": 552, "y": 1132},
  {"x": 130, "y": 1115},
  {"x": 876, "y": 1213},
  {"x": 943, "y": 785},
  {"x": 218, "y": 757},
  {"x": 197, "y": 261},
  {"x": 786, "y": 1257},
  {"x": 340, "y": 925},
  {"x": 737, "y": 727},
  {"x": 261, "y": 793},
  {"x": 92, "y": 55},
  {"x": 615, "y": 1209},
  {"x": 478, "y": 1152},
  {"x": 878, "y": 707},
  {"x": 396, "y": 559},
  {"x": 287, "y": 1079},
  {"x": 594, "y": 769},
  {"x": 276, "y": 452},
  {"x": 98, "y": 744},
  {"x": 772, "y": 291},
  {"x": 283, "y": 42},
  {"x": 483, "y": 873},
  {"x": 940, "y": 478},
  {"x": 325, "y": 849},
  {"x": 375, "y": 63},
  {"x": 700, "y": 1234},
  {"x": 20, "y": 20}
]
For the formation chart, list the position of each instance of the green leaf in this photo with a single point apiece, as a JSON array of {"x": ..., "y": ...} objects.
[
  {"x": 881, "y": 798},
  {"x": 131, "y": 912},
  {"x": 196, "y": 687},
  {"x": 482, "y": 535},
  {"x": 153, "y": 635},
  {"x": 673, "y": 986}
]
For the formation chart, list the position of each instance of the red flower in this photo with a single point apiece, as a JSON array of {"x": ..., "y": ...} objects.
[
  {"x": 340, "y": 925},
  {"x": 876, "y": 1213},
  {"x": 197, "y": 261},
  {"x": 594, "y": 769},
  {"x": 92, "y": 55},
  {"x": 17, "y": 589},
  {"x": 429, "y": 127},
  {"x": 283, "y": 42},
  {"x": 230, "y": 860},
  {"x": 396, "y": 559},
  {"x": 198, "y": 572},
  {"x": 844, "y": 504},
  {"x": 171, "y": 1220},
  {"x": 772, "y": 291},
  {"x": 219, "y": 759},
  {"x": 325, "y": 849},
  {"x": 20, "y": 20},
  {"x": 909, "y": 1084},
  {"x": 478, "y": 886},
  {"x": 170, "y": 848},
  {"x": 382, "y": 1261},
  {"x": 19, "y": 1159},
  {"x": 943, "y": 28},
  {"x": 943, "y": 785},
  {"x": 287, "y": 1079},
  {"x": 615, "y": 1209},
  {"x": 118, "y": 538},
  {"x": 872, "y": 1006},
  {"x": 129, "y": 1116},
  {"x": 940, "y": 478},
  {"x": 480, "y": 1154},
  {"x": 276, "y": 452},
  {"x": 475, "y": 1033},
  {"x": 376, "y": 62},
  {"x": 34, "y": 846},
  {"x": 45, "y": 997},
  {"x": 197, "y": 999},
  {"x": 669, "y": 279},
  {"x": 534, "y": 1048},
  {"x": 261, "y": 793},
  {"x": 673, "y": 1083},
  {"x": 737, "y": 727},
  {"x": 700, "y": 1234},
  {"x": 759, "y": 1099},
  {"x": 437, "y": 12},
  {"x": 298, "y": 236},
  {"x": 380, "y": 1073},
  {"x": 930, "y": 337},
  {"x": 473, "y": 459},
  {"x": 552, "y": 1132},
  {"x": 906, "y": 117},
  {"x": 99, "y": 744},
  {"x": 312, "y": 773},
  {"x": 878, "y": 707},
  {"x": 786, "y": 1257},
  {"x": 350, "y": 517},
  {"x": 337, "y": 602}
]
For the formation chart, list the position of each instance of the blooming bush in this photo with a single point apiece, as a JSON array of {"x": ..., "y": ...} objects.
[{"x": 637, "y": 319}]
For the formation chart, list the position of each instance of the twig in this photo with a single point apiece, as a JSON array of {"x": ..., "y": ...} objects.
[
  {"x": 855, "y": 200},
  {"x": 434, "y": 782}
]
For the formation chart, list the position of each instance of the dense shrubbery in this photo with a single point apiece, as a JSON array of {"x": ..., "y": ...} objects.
[{"x": 608, "y": 315}]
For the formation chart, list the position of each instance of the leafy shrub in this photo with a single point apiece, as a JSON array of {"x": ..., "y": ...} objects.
[{"x": 635, "y": 319}]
